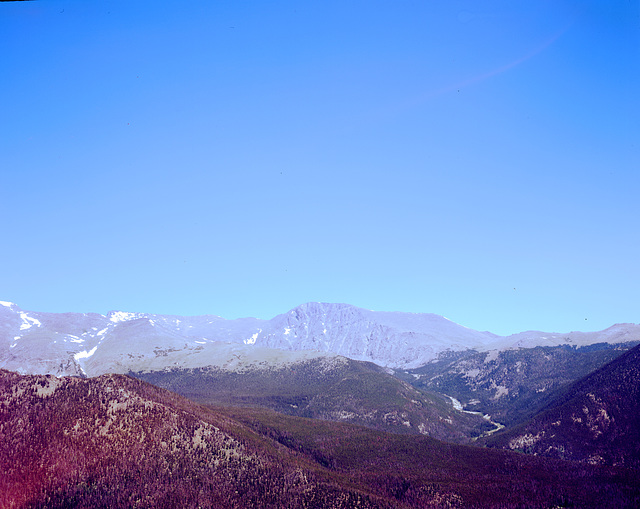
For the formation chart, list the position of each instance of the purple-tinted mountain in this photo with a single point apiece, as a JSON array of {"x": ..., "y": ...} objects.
[{"x": 92, "y": 344}]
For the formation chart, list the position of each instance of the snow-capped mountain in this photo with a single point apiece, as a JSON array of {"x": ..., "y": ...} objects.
[
  {"x": 92, "y": 344},
  {"x": 389, "y": 339}
]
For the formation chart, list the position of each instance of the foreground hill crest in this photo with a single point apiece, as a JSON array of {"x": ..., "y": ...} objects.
[{"x": 113, "y": 441}]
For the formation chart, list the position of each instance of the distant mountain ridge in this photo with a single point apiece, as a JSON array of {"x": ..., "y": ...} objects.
[{"x": 89, "y": 344}]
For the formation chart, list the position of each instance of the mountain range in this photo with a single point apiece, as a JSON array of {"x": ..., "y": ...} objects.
[
  {"x": 90, "y": 344},
  {"x": 262, "y": 395},
  {"x": 389, "y": 371}
]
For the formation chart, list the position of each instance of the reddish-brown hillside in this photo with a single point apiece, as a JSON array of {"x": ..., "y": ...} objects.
[{"x": 113, "y": 442}]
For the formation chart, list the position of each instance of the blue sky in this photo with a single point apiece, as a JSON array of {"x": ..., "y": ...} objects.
[{"x": 474, "y": 160}]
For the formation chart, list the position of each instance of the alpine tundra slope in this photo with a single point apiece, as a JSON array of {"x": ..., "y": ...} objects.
[{"x": 90, "y": 344}]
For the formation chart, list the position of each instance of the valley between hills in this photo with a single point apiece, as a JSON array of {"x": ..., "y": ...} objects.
[{"x": 327, "y": 405}]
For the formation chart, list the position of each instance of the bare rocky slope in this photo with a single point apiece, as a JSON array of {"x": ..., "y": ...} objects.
[{"x": 91, "y": 344}]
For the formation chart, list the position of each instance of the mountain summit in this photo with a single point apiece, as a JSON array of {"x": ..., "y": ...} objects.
[
  {"x": 391, "y": 339},
  {"x": 91, "y": 344}
]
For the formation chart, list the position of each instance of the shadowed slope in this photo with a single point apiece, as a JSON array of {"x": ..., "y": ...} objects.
[
  {"x": 511, "y": 385},
  {"x": 595, "y": 420}
]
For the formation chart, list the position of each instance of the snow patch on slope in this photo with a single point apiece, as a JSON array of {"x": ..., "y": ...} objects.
[
  {"x": 252, "y": 340},
  {"x": 84, "y": 354},
  {"x": 28, "y": 322},
  {"x": 121, "y": 316}
]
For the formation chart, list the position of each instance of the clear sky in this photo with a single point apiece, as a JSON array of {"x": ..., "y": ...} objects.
[{"x": 478, "y": 160}]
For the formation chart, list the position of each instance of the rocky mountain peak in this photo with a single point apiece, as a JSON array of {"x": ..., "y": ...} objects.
[{"x": 60, "y": 343}]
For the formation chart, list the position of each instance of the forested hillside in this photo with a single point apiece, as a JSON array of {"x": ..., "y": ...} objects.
[
  {"x": 114, "y": 442},
  {"x": 594, "y": 420}
]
